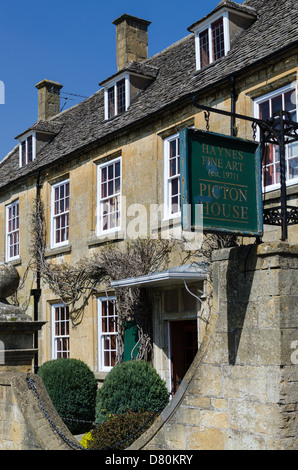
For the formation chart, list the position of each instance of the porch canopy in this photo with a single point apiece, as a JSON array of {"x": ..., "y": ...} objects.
[{"x": 176, "y": 275}]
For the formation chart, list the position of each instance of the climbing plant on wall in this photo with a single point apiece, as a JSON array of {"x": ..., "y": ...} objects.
[{"x": 75, "y": 283}]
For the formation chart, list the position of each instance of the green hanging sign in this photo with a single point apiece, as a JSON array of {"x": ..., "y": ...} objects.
[{"x": 222, "y": 174}]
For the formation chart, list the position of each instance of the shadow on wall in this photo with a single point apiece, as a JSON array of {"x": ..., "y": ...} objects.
[{"x": 240, "y": 307}]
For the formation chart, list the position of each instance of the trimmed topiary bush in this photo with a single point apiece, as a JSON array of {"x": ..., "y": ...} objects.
[
  {"x": 72, "y": 388},
  {"x": 131, "y": 386}
]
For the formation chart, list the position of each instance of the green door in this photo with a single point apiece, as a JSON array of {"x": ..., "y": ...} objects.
[{"x": 131, "y": 338}]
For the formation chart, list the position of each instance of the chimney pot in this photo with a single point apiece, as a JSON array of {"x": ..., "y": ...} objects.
[
  {"x": 48, "y": 99},
  {"x": 131, "y": 40}
]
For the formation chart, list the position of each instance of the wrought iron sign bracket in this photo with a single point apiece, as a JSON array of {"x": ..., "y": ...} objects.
[{"x": 278, "y": 130}]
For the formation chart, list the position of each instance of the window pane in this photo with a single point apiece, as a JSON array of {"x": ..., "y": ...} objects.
[
  {"x": 104, "y": 324},
  {"x": 175, "y": 185},
  {"x": 117, "y": 185},
  {"x": 268, "y": 177},
  {"x": 218, "y": 39},
  {"x": 24, "y": 153},
  {"x": 277, "y": 104},
  {"x": 264, "y": 110},
  {"x": 121, "y": 96},
  {"x": 29, "y": 149},
  {"x": 173, "y": 147},
  {"x": 204, "y": 48},
  {"x": 277, "y": 173},
  {"x": 175, "y": 205},
  {"x": 293, "y": 168},
  {"x": 293, "y": 149},
  {"x": 290, "y": 100},
  {"x": 111, "y": 102},
  {"x": 117, "y": 169},
  {"x": 110, "y": 172},
  {"x": 104, "y": 190},
  {"x": 113, "y": 358},
  {"x": 173, "y": 169},
  {"x": 104, "y": 174},
  {"x": 110, "y": 188}
]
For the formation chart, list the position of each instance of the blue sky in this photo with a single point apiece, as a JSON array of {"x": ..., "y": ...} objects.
[{"x": 73, "y": 42}]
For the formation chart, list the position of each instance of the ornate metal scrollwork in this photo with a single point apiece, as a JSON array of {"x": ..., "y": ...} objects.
[{"x": 273, "y": 216}]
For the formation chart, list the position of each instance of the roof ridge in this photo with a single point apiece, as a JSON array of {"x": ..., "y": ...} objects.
[
  {"x": 171, "y": 46},
  {"x": 75, "y": 105},
  {"x": 9, "y": 154}
]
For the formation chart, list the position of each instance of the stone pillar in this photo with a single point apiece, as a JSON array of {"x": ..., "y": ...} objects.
[
  {"x": 241, "y": 391},
  {"x": 16, "y": 328},
  {"x": 256, "y": 297}
]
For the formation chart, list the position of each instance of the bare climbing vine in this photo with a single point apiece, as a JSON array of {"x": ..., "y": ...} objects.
[
  {"x": 74, "y": 284},
  {"x": 137, "y": 258}
]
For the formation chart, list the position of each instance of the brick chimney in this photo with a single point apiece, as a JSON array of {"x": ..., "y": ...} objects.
[
  {"x": 131, "y": 40},
  {"x": 48, "y": 99}
]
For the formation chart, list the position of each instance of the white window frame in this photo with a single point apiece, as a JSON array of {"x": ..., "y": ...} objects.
[
  {"x": 207, "y": 25},
  {"x": 262, "y": 99},
  {"x": 167, "y": 180},
  {"x": 102, "y": 334},
  {"x": 101, "y": 200},
  {"x": 113, "y": 84},
  {"x": 54, "y": 216},
  {"x": 13, "y": 232},
  {"x": 21, "y": 141},
  {"x": 56, "y": 338}
]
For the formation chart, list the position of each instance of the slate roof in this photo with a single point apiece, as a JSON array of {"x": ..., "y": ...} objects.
[
  {"x": 243, "y": 8},
  {"x": 175, "y": 80},
  {"x": 44, "y": 127}
]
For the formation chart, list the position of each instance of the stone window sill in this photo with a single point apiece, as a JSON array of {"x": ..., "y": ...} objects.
[
  {"x": 15, "y": 262},
  {"x": 93, "y": 241},
  {"x": 62, "y": 250}
]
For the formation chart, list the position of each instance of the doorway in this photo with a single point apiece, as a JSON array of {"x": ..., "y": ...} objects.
[{"x": 184, "y": 346}]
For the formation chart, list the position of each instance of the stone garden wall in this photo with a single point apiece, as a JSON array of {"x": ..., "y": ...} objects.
[{"x": 23, "y": 425}]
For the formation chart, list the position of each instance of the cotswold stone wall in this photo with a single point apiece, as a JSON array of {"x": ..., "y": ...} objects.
[
  {"x": 241, "y": 391},
  {"x": 23, "y": 425}
]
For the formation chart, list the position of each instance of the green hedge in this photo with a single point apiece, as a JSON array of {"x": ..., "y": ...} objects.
[
  {"x": 119, "y": 431},
  {"x": 131, "y": 386},
  {"x": 72, "y": 388}
]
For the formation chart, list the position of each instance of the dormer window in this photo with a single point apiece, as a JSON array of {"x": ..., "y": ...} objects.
[
  {"x": 27, "y": 148},
  {"x": 117, "y": 97},
  {"x": 121, "y": 89},
  {"x": 32, "y": 141},
  {"x": 216, "y": 33},
  {"x": 212, "y": 41}
]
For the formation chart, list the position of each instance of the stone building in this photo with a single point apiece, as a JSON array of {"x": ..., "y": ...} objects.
[{"x": 100, "y": 164}]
